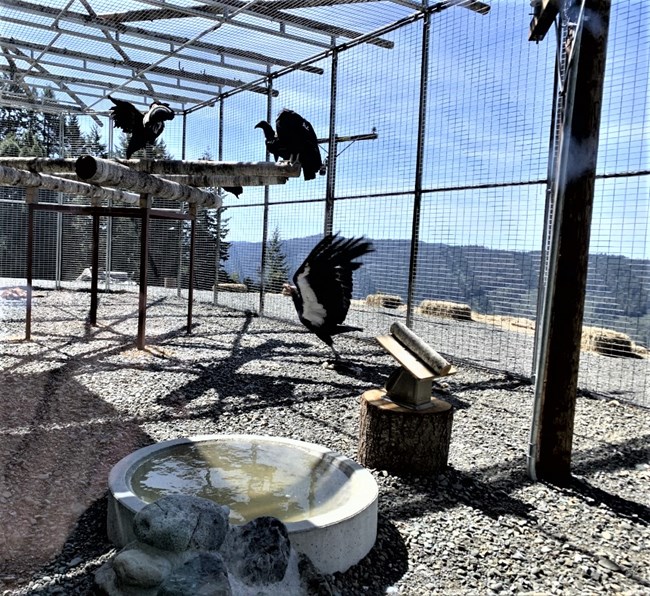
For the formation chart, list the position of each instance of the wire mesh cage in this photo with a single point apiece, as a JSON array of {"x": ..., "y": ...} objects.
[{"x": 435, "y": 128}]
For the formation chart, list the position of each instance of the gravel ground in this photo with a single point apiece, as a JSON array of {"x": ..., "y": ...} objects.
[{"x": 78, "y": 398}]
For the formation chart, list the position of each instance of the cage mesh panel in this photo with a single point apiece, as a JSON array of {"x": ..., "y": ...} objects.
[
  {"x": 617, "y": 308},
  {"x": 244, "y": 226},
  {"x": 294, "y": 229},
  {"x": 488, "y": 104},
  {"x": 387, "y": 222},
  {"x": 379, "y": 89},
  {"x": 489, "y": 97},
  {"x": 479, "y": 250},
  {"x": 625, "y": 119}
]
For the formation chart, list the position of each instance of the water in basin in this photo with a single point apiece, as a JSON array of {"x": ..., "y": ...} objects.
[{"x": 253, "y": 478}]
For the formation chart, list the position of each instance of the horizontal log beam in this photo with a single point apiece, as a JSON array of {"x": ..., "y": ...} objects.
[
  {"x": 226, "y": 173},
  {"x": 110, "y": 173},
  {"x": 48, "y": 165},
  {"x": 171, "y": 167},
  {"x": 15, "y": 177},
  {"x": 223, "y": 181}
]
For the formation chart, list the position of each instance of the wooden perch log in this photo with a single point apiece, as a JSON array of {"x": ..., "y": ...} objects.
[
  {"x": 403, "y": 440},
  {"x": 103, "y": 171},
  {"x": 15, "y": 177},
  {"x": 173, "y": 167},
  {"x": 423, "y": 351},
  {"x": 221, "y": 181},
  {"x": 198, "y": 173},
  {"x": 40, "y": 164}
]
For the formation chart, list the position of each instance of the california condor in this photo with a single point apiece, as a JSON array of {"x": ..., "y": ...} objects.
[
  {"x": 294, "y": 139},
  {"x": 143, "y": 128},
  {"x": 322, "y": 287}
]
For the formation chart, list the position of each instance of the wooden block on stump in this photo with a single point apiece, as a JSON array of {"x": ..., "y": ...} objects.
[{"x": 404, "y": 440}]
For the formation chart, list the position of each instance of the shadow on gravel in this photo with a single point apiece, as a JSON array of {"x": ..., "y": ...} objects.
[
  {"x": 384, "y": 565},
  {"x": 247, "y": 392},
  {"x": 71, "y": 573},
  {"x": 486, "y": 489},
  {"x": 489, "y": 488},
  {"x": 501, "y": 382},
  {"x": 622, "y": 507}
]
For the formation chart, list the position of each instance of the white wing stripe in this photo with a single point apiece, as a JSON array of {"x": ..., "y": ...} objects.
[{"x": 312, "y": 310}]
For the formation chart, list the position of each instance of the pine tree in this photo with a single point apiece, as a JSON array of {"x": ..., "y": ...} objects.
[
  {"x": 276, "y": 267},
  {"x": 74, "y": 140},
  {"x": 9, "y": 146},
  {"x": 94, "y": 145}
]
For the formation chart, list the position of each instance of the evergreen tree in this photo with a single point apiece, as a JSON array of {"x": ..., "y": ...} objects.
[
  {"x": 94, "y": 145},
  {"x": 276, "y": 267},
  {"x": 13, "y": 120},
  {"x": 9, "y": 146},
  {"x": 49, "y": 127},
  {"x": 74, "y": 141}
]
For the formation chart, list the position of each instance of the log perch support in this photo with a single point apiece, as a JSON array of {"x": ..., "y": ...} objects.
[{"x": 403, "y": 428}]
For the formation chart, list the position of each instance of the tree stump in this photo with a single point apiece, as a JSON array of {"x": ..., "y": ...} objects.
[{"x": 404, "y": 440}]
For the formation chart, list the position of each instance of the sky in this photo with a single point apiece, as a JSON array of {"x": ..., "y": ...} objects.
[{"x": 488, "y": 118}]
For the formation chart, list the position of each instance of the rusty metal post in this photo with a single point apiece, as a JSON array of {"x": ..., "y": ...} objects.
[
  {"x": 31, "y": 195},
  {"x": 94, "y": 271},
  {"x": 145, "y": 204},
  {"x": 190, "y": 289}
]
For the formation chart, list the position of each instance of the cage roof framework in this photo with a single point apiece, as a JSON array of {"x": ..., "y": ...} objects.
[{"x": 188, "y": 53}]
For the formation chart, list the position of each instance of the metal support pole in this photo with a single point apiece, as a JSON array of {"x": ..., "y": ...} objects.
[
  {"x": 109, "y": 225},
  {"x": 265, "y": 214},
  {"x": 109, "y": 248},
  {"x": 58, "y": 266},
  {"x": 332, "y": 146},
  {"x": 30, "y": 262},
  {"x": 181, "y": 224},
  {"x": 94, "y": 271},
  {"x": 215, "y": 290},
  {"x": 419, "y": 168},
  {"x": 145, "y": 204},
  {"x": 217, "y": 259},
  {"x": 549, "y": 207},
  {"x": 190, "y": 291}
]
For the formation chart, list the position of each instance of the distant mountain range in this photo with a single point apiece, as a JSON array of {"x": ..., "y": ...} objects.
[{"x": 491, "y": 281}]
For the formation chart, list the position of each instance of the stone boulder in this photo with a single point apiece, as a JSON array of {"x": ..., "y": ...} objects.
[
  {"x": 180, "y": 522},
  {"x": 186, "y": 547}
]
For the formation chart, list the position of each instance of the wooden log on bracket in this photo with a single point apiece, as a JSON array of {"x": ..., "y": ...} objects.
[
  {"x": 14, "y": 177},
  {"x": 401, "y": 440},
  {"x": 110, "y": 173},
  {"x": 403, "y": 429},
  {"x": 423, "y": 351},
  {"x": 194, "y": 173}
]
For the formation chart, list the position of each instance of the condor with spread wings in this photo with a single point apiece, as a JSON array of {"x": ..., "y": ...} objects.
[
  {"x": 143, "y": 128},
  {"x": 322, "y": 288}
]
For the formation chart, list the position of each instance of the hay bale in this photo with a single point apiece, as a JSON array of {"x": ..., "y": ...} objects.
[
  {"x": 384, "y": 300},
  {"x": 607, "y": 342},
  {"x": 448, "y": 310},
  {"x": 231, "y": 287}
]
